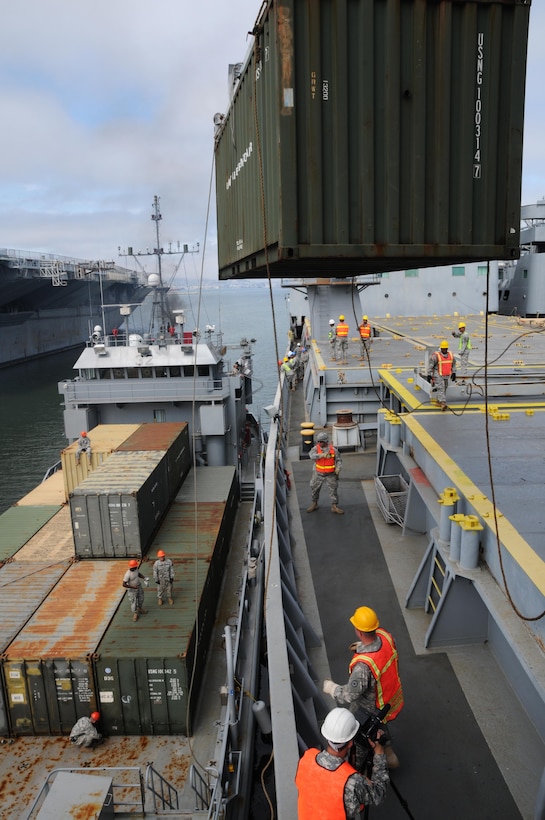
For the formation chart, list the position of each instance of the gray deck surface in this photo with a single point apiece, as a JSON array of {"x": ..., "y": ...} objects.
[{"x": 447, "y": 769}]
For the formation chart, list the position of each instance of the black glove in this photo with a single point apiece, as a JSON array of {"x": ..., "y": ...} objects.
[
  {"x": 429, "y": 379},
  {"x": 454, "y": 334},
  {"x": 453, "y": 377}
]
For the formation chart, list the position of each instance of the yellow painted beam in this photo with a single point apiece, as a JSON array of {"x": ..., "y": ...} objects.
[{"x": 519, "y": 549}]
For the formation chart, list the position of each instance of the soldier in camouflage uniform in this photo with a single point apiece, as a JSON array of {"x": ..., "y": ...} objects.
[
  {"x": 332, "y": 337},
  {"x": 374, "y": 675},
  {"x": 131, "y": 581},
  {"x": 84, "y": 732},
  {"x": 319, "y": 793},
  {"x": 327, "y": 466},
  {"x": 163, "y": 575}
]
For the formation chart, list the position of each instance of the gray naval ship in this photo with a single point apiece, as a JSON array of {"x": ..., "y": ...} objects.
[{"x": 51, "y": 303}]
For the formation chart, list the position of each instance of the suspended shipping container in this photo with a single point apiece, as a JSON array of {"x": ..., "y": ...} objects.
[
  {"x": 23, "y": 587},
  {"x": 116, "y": 510},
  {"x": 144, "y": 674},
  {"x": 47, "y": 668},
  {"x": 374, "y": 135}
]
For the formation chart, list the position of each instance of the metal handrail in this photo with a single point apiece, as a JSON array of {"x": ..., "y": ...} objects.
[{"x": 44, "y": 791}]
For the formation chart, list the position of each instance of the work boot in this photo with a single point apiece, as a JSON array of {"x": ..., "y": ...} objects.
[
  {"x": 135, "y": 616},
  {"x": 337, "y": 510},
  {"x": 443, "y": 406},
  {"x": 160, "y": 601},
  {"x": 391, "y": 758},
  {"x": 143, "y": 611},
  {"x": 170, "y": 601},
  {"x": 313, "y": 506}
]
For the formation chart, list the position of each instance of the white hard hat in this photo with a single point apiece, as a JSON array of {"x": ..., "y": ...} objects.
[
  {"x": 332, "y": 321},
  {"x": 340, "y": 726}
]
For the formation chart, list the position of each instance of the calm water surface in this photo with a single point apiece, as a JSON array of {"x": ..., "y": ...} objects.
[{"x": 31, "y": 418}]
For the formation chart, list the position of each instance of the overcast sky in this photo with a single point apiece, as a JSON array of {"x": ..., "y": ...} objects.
[{"x": 106, "y": 104}]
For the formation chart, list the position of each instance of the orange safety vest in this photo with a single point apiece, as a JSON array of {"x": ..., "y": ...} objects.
[
  {"x": 342, "y": 330},
  {"x": 444, "y": 363},
  {"x": 383, "y": 665},
  {"x": 327, "y": 463},
  {"x": 365, "y": 331},
  {"x": 321, "y": 791}
]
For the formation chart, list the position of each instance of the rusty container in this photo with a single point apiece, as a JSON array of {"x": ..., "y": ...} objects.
[{"x": 47, "y": 669}]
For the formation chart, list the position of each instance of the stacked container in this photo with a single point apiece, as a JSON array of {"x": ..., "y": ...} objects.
[
  {"x": 104, "y": 439},
  {"x": 117, "y": 509},
  {"x": 23, "y": 587},
  {"x": 47, "y": 667},
  {"x": 149, "y": 678}
]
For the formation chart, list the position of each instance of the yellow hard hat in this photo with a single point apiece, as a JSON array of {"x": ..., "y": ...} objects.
[
  {"x": 364, "y": 318},
  {"x": 461, "y": 325},
  {"x": 444, "y": 343},
  {"x": 286, "y": 359},
  {"x": 341, "y": 318},
  {"x": 365, "y": 619}
]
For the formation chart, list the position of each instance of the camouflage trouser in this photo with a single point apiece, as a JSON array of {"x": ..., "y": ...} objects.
[
  {"x": 136, "y": 598},
  {"x": 463, "y": 359},
  {"x": 343, "y": 347},
  {"x": 365, "y": 347},
  {"x": 164, "y": 589},
  {"x": 333, "y": 343},
  {"x": 86, "y": 450},
  {"x": 332, "y": 482},
  {"x": 440, "y": 388}
]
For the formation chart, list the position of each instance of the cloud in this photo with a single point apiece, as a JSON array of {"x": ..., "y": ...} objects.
[{"x": 107, "y": 104}]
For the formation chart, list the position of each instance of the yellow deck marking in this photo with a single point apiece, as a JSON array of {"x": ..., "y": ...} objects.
[{"x": 520, "y": 550}]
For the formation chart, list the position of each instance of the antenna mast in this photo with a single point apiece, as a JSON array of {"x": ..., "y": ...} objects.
[{"x": 160, "y": 315}]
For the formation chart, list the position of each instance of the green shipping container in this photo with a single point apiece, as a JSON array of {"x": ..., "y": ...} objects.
[
  {"x": 144, "y": 669},
  {"x": 374, "y": 135},
  {"x": 47, "y": 668},
  {"x": 173, "y": 438}
]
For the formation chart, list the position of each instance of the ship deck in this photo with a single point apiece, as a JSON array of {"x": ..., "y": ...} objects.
[
  {"x": 449, "y": 732},
  {"x": 466, "y": 745}
]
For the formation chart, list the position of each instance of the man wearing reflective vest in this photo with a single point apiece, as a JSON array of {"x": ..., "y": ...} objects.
[
  {"x": 329, "y": 787},
  {"x": 365, "y": 338},
  {"x": 327, "y": 466},
  {"x": 441, "y": 368},
  {"x": 342, "y": 338},
  {"x": 464, "y": 346},
  {"x": 374, "y": 676}
]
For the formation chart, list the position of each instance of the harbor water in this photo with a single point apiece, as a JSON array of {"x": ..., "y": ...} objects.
[{"x": 31, "y": 417}]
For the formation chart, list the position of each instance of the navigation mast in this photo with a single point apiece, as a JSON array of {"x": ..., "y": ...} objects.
[{"x": 160, "y": 319}]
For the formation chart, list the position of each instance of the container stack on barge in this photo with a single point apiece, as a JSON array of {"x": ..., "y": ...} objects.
[{"x": 52, "y": 651}]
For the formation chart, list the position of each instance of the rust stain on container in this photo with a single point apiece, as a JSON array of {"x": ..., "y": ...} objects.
[
  {"x": 285, "y": 36},
  {"x": 71, "y": 621},
  {"x": 153, "y": 436},
  {"x": 54, "y": 542}
]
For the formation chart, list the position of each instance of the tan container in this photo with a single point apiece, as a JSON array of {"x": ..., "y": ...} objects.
[
  {"x": 104, "y": 440},
  {"x": 53, "y": 542},
  {"x": 51, "y": 491}
]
